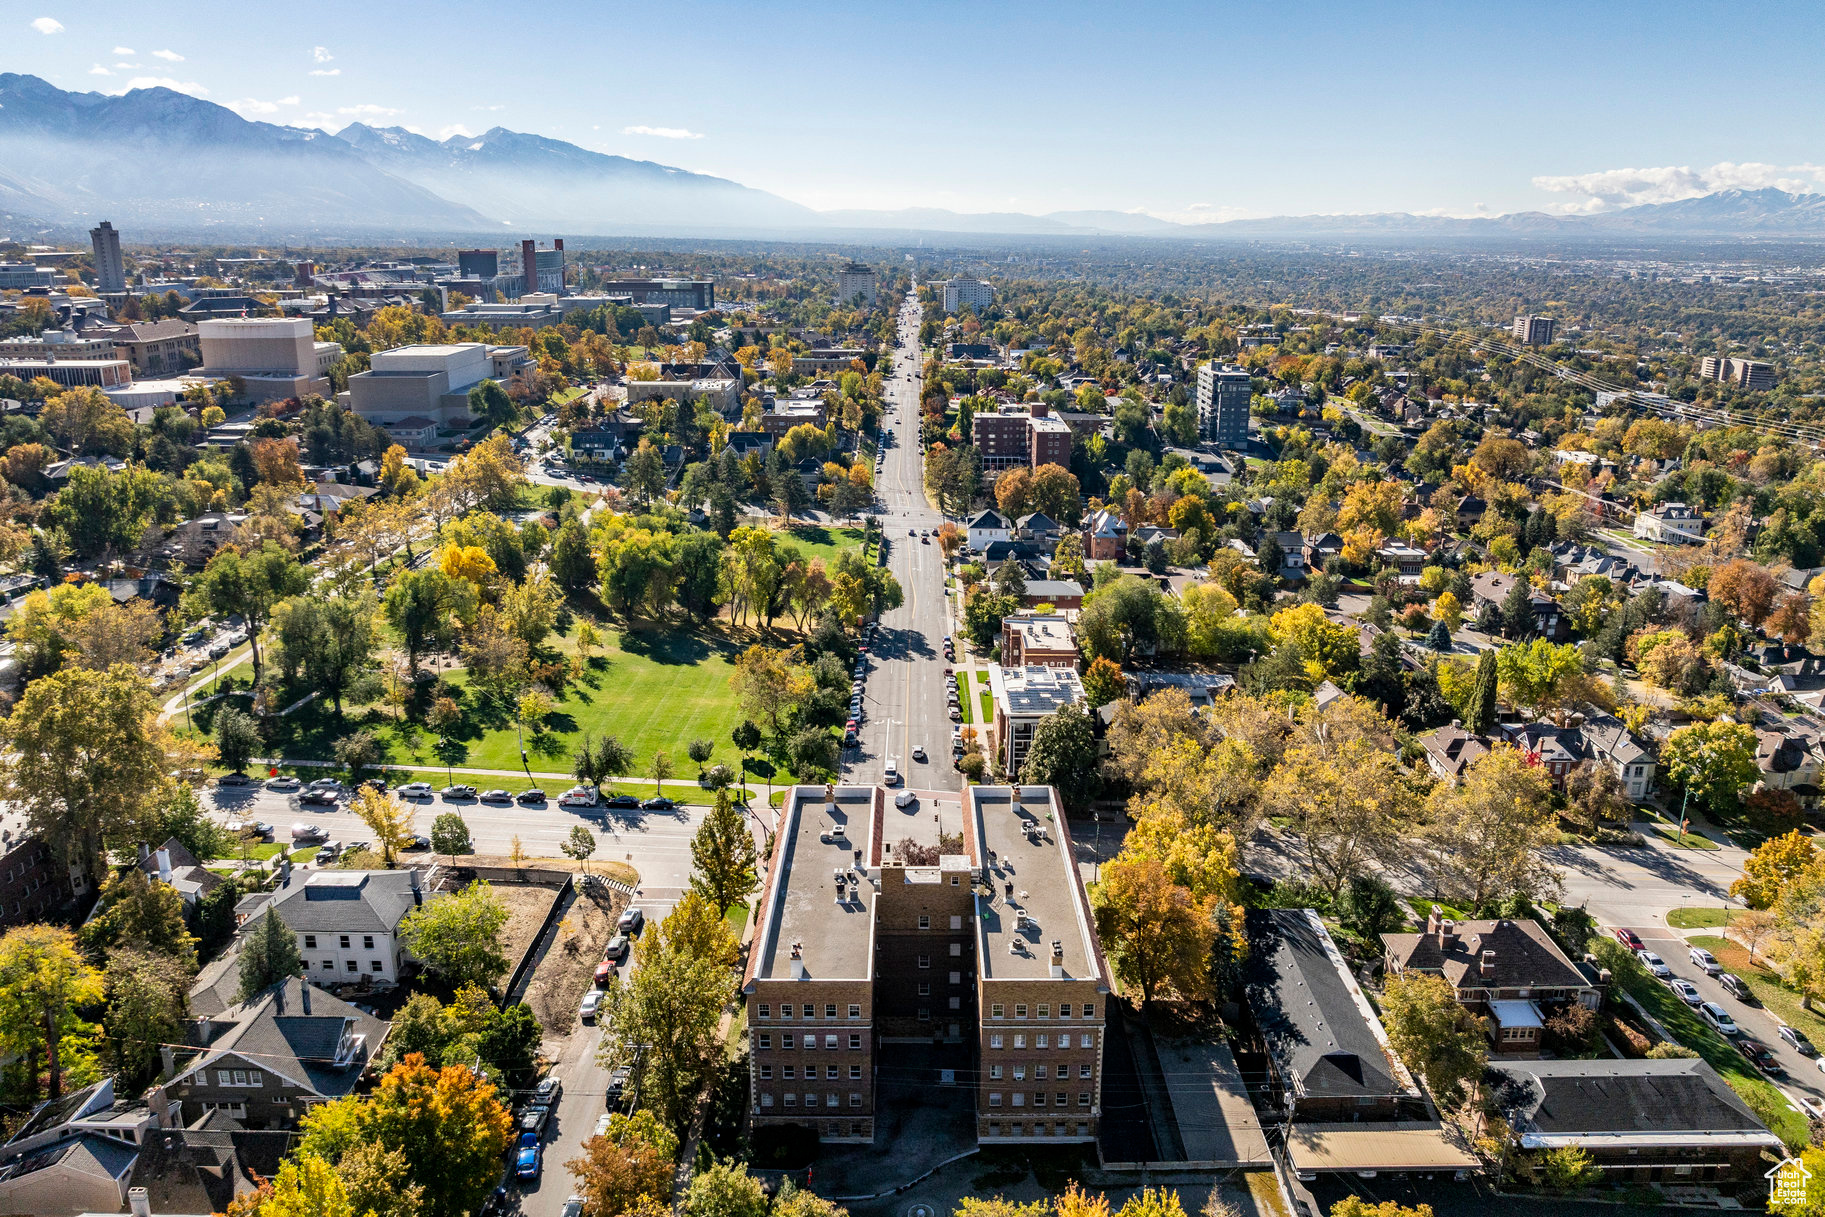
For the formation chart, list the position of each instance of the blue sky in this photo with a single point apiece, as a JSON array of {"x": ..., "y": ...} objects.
[{"x": 1179, "y": 109}]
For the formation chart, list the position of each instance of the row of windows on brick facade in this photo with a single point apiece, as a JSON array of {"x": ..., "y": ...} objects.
[
  {"x": 373, "y": 964},
  {"x": 785, "y": 1010},
  {"x": 831, "y": 1072},
  {"x": 367, "y": 941},
  {"x": 1042, "y": 1040},
  {"x": 1019, "y": 1072},
  {"x": 764, "y": 1039},
  {"x": 239, "y": 1077},
  {"x": 1039, "y": 1130},
  {"x": 811, "y": 1100},
  {"x": 1043, "y": 1010},
  {"x": 1018, "y": 1098}
]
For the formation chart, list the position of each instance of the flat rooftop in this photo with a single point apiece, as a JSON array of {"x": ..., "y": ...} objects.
[
  {"x": 1050, "y": 633},
  {"x": 1017, "y": 835},
  {"x": 835, "y": 940},
  {"x": 1033, "y": 691}
]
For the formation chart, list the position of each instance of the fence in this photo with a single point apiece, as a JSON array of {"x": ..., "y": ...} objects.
[{"x": 522, "y": 971}]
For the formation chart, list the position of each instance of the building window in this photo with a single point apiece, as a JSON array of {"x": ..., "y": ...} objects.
[
  {"x": 925, "y": 961},
  {"x": 345, "y": 942},
  {"x": 855, "y": 1098},
  {"x": 1020, "y": 1073},
  {"x": 1085, "y": 1071},
  {"x": 994, "y": 1099},
  {"x": 224, "y": 1078},
  {"x": 997, "y": 1011},
  {"x": 1040, "y": 1072},
  {"x": 956, "y": 950},
  {"x": 367, "y": 942},
  {"x": 1059, "y": 1100},
  {"x": 353, "y": 966},
  {"x": 791, "y": 1100},
  {"x": 994, "y": 1041},
  {"x": 830, "y": 1010},
  {"x": 310, "y": 942},
  {"x": 240, "y": 1077},
  {"x": 925, "y": 921},
  {"x": 925, "y": 1014},
  {"x": 1083, "y": 1098},
  {"x": 830, "y": 1099},
  {"x": 830, "y": 1043},
  {"x": 1020, "y": 1098},
  {"x": 766, "y": 1073},
  {"x": 810, "y": 1041},
  {"x": 766, "y": 1041},
  {"x": 1020, "y": 1041},
  {"x": 810, "y": 1100},
  {"x": 956, "y": 978},
  {"x": 1039, "y": 1098},
  {"x": 329, "y": 965},
  {"x": 1086, "y": 1041},
  {"x": 1020, "y": 1010},
  {"x": 855, "y": 1012},
  {"x": 956, "y": 918},
  {"x": 956, "y": 1003},
  {"x": 855, "y": 1073},
  {"x": 925, "y": 989},
  {"x": 766, "y": 1011},
  {"x": 1043, "y": 1041},
  {"x": 994, "y": 1073},
  {"x": 855, "y": 1042},
  {"x": 766, "y": 1100},
  {"x": 1045, "y": 1011},
  {"x": 788, "y": 1040},
  {"x": 786, "y": 1071},
  {"x": 377, "y": 966}
]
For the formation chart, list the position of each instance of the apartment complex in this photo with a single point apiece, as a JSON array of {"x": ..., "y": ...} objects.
[
  {"x": 854, "y": 280},
  {"x": 1023, "y": 696},
  {"x": 1534, "y": 331},
  {"x": 1016, "y": 436},
  {"x": 1743, "y": 373},
  {"x": 859, "y": 950},
  {"x": 110, "y": 273},
  {"x": 973, "y": 292},
  {"x": 1222, "y": 398}
]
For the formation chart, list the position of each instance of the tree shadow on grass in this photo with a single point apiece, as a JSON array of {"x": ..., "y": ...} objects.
[
  {"x": 671, "y": 647},
  {"x": 547, "y": 744}
]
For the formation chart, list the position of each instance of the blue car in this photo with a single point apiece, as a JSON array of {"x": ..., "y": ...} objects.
[{"x": 526, "y": 1162}]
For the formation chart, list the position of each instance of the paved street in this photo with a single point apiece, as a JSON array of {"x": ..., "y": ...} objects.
[{"x": 905, "y": 695}]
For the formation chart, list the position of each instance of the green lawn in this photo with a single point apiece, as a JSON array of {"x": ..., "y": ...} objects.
[
  {"x": 1696, "y": 918},
  {"x": 988, "y": 698},
  {"x": 1689, "y": 1029},
  {"x": 1766, "y": 984},
  {"x": 817, "y": 541}
]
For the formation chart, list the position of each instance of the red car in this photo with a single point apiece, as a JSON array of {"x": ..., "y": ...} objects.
[
  {"x": 1628, "y": 938},
  {"x": 605, "y": 973}
]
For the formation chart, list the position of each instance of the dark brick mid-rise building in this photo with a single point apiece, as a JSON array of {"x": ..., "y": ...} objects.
[
  {"x": 1011, "y": 438},
  {"x": 34, "y": 885}
]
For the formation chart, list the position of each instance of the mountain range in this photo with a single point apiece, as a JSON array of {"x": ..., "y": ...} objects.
[{"x": 163, "y": 162}]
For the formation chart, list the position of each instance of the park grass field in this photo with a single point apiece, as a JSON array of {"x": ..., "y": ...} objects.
[{"x": 820, "y": 541}]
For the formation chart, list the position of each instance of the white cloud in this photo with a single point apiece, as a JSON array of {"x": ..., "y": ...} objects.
[
  {"x": 317, "y": 116},
  {"x": 321, "y": 55},
  {"x": 165, "y": 82},
  {"x": 129, "y": 67},
  {"x": 663, "y": 132},
  {"x": 168, "y": 56},
  {"x": 367, "y": 110},
  {"x": 124, "y": 50},
  {"x": 1618, "y": 188},
  {"x": 487, "y": 107},
  {"x": 445, "y": 132},
  {"x": 326, "y": 71},
  {"x": 48, "y": 25},
  {"x": 253, "y": 105},
  {"x": 98, "y": 70}
]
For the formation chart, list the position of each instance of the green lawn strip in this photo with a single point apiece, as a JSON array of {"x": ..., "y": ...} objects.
[
  {"x": 1765, "y": 983},
  {"x": 1685, "y": 1025},
  {"x": 1696, "y": 918},
  {"x": 988, "y": 698},
  {"x": 1422, "y": 909},
  {"x": 1685, "y": 840},
  {"x": 552, "y": 787},
  {"x": 966, "y": 704},
  {"x": 819, "y": 541}
]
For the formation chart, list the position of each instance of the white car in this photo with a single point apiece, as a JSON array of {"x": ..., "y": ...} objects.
[
  {"x": 1705, "y": 960},
  {"x": 1687, "y": 992},
  {"x": 579, "y": 796},
  {"x": 415, "y": 790},
  {"x": 592, "y": 1000},
  {"x": 1654, "y": 964},
  {"x": 905, "y": 799},
  {"x": 918, "y": 752},
  {"x": 891, "y": 776},
  {"x": 283, "y": 784}
]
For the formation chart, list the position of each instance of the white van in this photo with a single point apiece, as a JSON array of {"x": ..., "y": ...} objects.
[{"x": 892, "y": 776}]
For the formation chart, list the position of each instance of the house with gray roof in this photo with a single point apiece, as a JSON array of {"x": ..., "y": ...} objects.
[
  {"x": 347, "y": 921},
  {"x": 266, "y": 1060}
]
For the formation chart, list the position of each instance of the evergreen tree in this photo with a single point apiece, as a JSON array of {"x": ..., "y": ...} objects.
[
  {"x": 1440, "y": 638},
  {"x": 723, "y": 856},
  {"x": 1518, "y": 609},
  {"x": 271, "y": 955},
  {"x": 1482, "y": 697}
]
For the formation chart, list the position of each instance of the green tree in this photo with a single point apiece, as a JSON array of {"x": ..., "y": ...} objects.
[
  {"x": 1433, "y": 1035},
  {"x": 147, "y": 993},
  {"x": 249, "y": 585},
  {"x": 450, "y": 836},
  {"x": 357, "y": 752},
  {"x": 1481, "y": 720},
  {"x": 269, "y": 956},
  {"x": 1539, "y": 675},
  {"x": 813, "y": 752},
  {"x": 422, "y": 607},
  {"x": 700, "y": 751},
  {"x": 136, "y": 914},
  {"x": 723, "y": 856},
  {"x": 598, "y": 761},
  {"x": 1160, "y": 935},
  {"x": 307, "y": 1186},
  {"x": 644, "y": 472},
  {"x": 1063, "y": 756},
  {"x": 579, "y": 845},
  {"x": 489, "y": 401},
  {"x": 84, "y": 758},
  {"x": 330, "y": 642},
  {"x": 664, "y": 1018},
  {"x": 1712, "y": 761},
  {"x": 379, "y": 1183},
  {"x": 1518, "y": 619},
  {"x": 725, "y": 1189},
  {"x": 1491, "y": 830},
  {"x": 460, "y": 935},
  {"x": 659, "y": 768},
  {"x": 237, "y": 738},
  {"x": 573, "y": 564},
  {"x": 45, "y": 984},
  {"x": 1103, "y": 682}
]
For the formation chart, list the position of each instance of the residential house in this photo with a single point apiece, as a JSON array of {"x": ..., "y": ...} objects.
[
  {"x": 1607, "y": 741},
  {"x": 1105, "y": 537},
  {"x": 195, "y": 541},
  {"x": 1670, "y": 523},
  {"x": 1510, "y": 973},
  {"x": 1293, "y": 563},
  {"x": 1789, "y": 759},
  {"x": 1038, "y": 527},
  {"x": 1469, "y": 512},
  {"x": 1041, "y": 639},
  {"x": 267, "y": 1060},
  {"x": 1022, "y": 696},
  {"x": 1561, "y": 747},
  {"x": 1491, "y": 588},
  {"x": 1061, "y": 594},
  {"x": 1321, "y": 548},
  {"x": 206, "y": 1167},
  {"x": 989, "y": 526},
  {"x": 347, "y": 921},
  {"x": 74, "y": 1153},
  {"x": 1201, "y": 688},
  {"x": 1407, "y": 561},
  {"x": 1328, "y": 1057},
  {"x": 176, "y": 867},
  {"x": 1641, "y": 1121}
]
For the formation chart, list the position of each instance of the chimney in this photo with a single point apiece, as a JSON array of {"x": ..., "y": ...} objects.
[
  {"x": 1433, "y": 919},
  {"x": 305, "y": 994},
  {"x": 1038, "y": 409},
  {"x": 138, "y": 1202},
  {"x": 798, "y": 961},
  {"x": 1457, "y": 724},
  {"x": 418, "y": 896},
  {"x": 1486, "y": 969},
  {"x": 529, "y": 266},
  {"x": 164, "y": 865},
  {"x": 145, "y": 851},
  {"x": 1447, "y": 937},
  {"x": 1058, "y": 959}
]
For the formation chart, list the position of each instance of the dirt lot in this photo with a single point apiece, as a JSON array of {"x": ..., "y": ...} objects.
[
  {"x": 526, "y": 906},
  {"x": 611, "y": 870},
  {"x": 569, "y": 967}
]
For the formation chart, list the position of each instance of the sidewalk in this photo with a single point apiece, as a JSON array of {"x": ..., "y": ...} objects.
[{"x": 636, "y": 780}]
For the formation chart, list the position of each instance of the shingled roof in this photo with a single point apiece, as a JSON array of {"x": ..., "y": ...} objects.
[{"x": 1525, "y": 958}]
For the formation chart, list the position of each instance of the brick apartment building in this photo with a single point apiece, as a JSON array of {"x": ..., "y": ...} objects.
[
  {"x": 1013, "y": 437},
  {"x": 858, "y": 951}
]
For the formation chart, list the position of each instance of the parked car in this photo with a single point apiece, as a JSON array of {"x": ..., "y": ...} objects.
[
  {"x": 415, "y": 790},
  {"x": 617, "y": 1084},
  {"x": 458, "y": 792},
  {"x": 234, "y": 779},
  {"x": 418, "y": 843},
  {"x": 606, "y": 972},
  {"x": 579, "y": 796},
  {"x": 283, "y": 784},
  {"x": 329, "y": 853},
  {"x": 497, "y": 796},
  {"x": 631, "y": 921},
  {"x": 1797, "y": 1038},
  {"x": 1686, "y": 991},
  {"x": 592, "y": 1001},
  {"x": 332, "y": 785},
  {"x": 918, "y": 752},
  {"x": 621, "y": 800},
  {"x": 905, "y": 799},
  {"x": 530, "y": 797},
  {"x": 317, "y": 798},
  {"x": 526, "y": 1161},
  {"x": 617, "y": 948},
  {"x": 1628, "y": 938},
  {"x": 1719, "y": 1018},
  {"x": 1761, "y": 1057},
  {"x": 547, "y": 1091},
  {"x": 573, "y": 1206},
  {"x": 1735, "y": 986},
  {"x": 657, "y": 803},
  {"x": 304, "y": 834},
  {"x": 849, "y": 739},
  {"x": 1705, "y": 960},
  {"x": 1654, "y": 963},
  {"x": 377, "y": 785}
]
